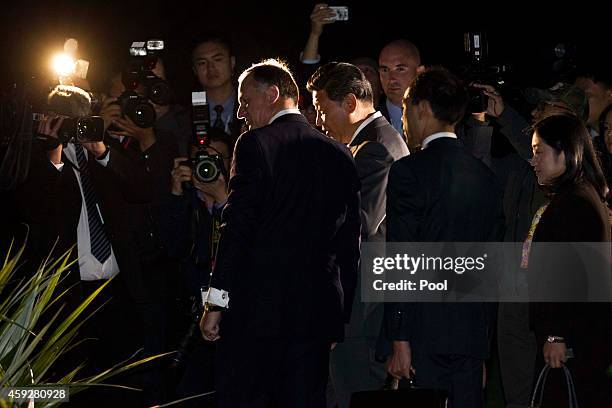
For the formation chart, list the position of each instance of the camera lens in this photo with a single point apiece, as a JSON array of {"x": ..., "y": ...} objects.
[
  {"x": 90, "y": 129},
  {"x": 141, "y": 112},
  {"x": 206, "y": 170},
  {"x": 159, "y": 92}
]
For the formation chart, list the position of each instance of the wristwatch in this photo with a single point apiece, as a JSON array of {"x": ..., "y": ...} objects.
[{"x": 555, "y": 339}]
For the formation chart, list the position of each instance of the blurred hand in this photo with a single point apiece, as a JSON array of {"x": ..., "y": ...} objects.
[
  {"x": 209, "y": 325},
  {"x": 217, "y": 190},
  {"x": 495, "y": 106},
  {"x": 144, "y": 136},
  {"x": 554, "y": 354},
  {"x": 400, "y": 363},
  {"x": 180, "y": 173},
  {"x": 321, "y": 15},
  {"x": 109, "y": 111},
  {"x": 97, "y": 149}
]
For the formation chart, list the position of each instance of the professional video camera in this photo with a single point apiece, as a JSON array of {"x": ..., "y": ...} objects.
[
  {"x": 139, "y": 75},
  {"x": 22, "y": 106},
  {"x": 75, "y": 130},
  {"x": 478, "y": 70}
]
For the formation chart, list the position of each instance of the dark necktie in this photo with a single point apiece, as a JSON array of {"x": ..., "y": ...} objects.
[
  {"x": 100, "y": 245},
  {"x": 219, "y": 120}
]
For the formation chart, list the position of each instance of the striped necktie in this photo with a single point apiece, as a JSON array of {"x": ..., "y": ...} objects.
[{"x": 100, "y": 245}]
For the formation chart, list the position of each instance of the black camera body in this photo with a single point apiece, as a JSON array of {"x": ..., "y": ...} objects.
[
  {"x": 478, "y": 70},
  {"x": 478, "y": 101},
  {"x": 86, "y": 129},
  {"x": 137, "y": 108},
  {"x": 206, "y": 167},
  {"x": 81, "y": 130},
  {"x": 139, "y": 75}
]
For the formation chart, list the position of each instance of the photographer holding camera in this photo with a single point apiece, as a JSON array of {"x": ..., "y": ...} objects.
[
  {"x": 152, "y": 131},
  {"x": 170, "y": 126},
  {"x": 191, "y": 219},
  {"x": 78, "y": 191}
]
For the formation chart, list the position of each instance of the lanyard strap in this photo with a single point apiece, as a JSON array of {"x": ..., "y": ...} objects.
[{"x": 529, "y": 239}]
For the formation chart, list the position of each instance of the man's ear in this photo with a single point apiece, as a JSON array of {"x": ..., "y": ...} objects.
[
  {"x": 424, "y": 109},
  {"x": 272, "y": 94},
  {"x": 420, "y": 69},
  {"x": 349, "y": 103}
]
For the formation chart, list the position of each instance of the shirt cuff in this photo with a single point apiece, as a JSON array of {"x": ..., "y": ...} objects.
[
  {"x": 216, "y": 297},
  {"x": 104, "y": 161},
  {"x": 310, "y": 61}
]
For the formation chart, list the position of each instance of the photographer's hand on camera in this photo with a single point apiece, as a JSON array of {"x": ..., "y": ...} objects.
[
  {"x": 49, "y": 126},
  {"x": 109, "y": 111},
  {"x": 215, "y": 191},
  {"x": 144, "y": 136},
  {"x": 180, "y": 173},
  {"x": 97, "y": 149},
  {"x": 495, "y": 106}
]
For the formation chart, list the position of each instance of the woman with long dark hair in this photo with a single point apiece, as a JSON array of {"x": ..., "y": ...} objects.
[{"x": 568, "y": 169}]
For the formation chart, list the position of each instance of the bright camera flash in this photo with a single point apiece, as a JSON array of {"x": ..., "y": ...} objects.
[{"x": 63, "y": 65}]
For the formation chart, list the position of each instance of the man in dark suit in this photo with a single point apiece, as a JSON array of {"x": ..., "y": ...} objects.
[
  {"x": 343, "y": 98},
  {"x": 288, "y": 253},
  {"x": 440, "y": 194}
]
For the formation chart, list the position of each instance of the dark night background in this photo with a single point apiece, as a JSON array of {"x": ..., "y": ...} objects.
[{"x": 520, "y": 35}]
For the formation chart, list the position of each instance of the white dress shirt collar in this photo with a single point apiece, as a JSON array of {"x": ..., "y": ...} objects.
[
  {"x": 365, "y": 123},
  {"x": 438, "y": 135},
  {"x": 284, "y": 112}
]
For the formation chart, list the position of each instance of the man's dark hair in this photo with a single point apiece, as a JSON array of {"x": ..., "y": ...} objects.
[
  {"x": 445, "y": 93},
  {"x": 218, "y": 135},
  {"x": 69, "y": 101},
  {"x": 338, "y": 79},
  {"x": 273, "y": 72},
  {"x": 568, "y": 134},
  {"x": 216, "y": 38}
]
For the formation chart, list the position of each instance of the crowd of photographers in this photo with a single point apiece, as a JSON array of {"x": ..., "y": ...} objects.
[{"x": 143, "y": 205}]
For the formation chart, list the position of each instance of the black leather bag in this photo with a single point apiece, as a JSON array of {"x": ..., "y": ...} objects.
[
  {"x": 405, "y": 396},
  {"x": 538, "y": 392}
]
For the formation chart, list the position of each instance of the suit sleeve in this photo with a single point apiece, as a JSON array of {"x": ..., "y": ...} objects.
[
  {"x": 404, "y": 204},
  {"x": 348, "y": 240},
  {"x": 373, "y": 162},
  {"x": 134, "y": 179},
  {"x": 37, "y": 196},
  {"x": 240, "y": 215},
  {"x": 404, "y": 212},
  {"x": 515, "y": 129}
]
